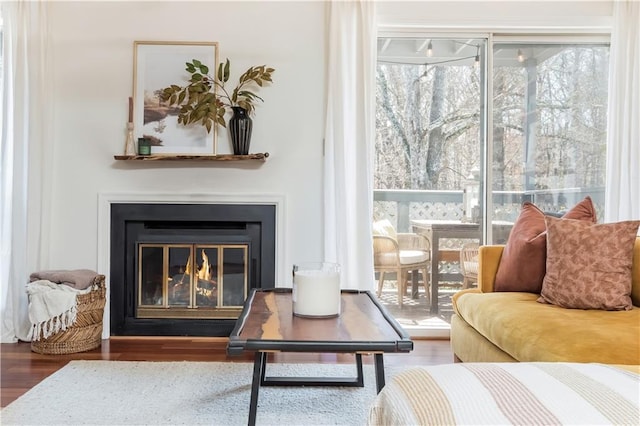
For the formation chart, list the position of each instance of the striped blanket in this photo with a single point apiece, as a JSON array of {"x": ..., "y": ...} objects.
[{"x": 510, "y": 394}]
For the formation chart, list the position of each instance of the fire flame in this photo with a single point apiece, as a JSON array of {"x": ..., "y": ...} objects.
[
  {"x": 202, "y": 284},
  {"x": 204, "y": 273}
]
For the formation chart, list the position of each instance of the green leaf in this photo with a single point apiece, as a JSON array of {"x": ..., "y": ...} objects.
[
  {"x": 209, "y": 98},
  {"x": 181, "y": 97},
  {"x": 244, "y": 104},
  {"x": 204, "y": 69},
  {"x": 220, "y": 71},
  {"x": 226, "y": 71},
  {"x": 196, "y": 77},
  {"x": 197, "y": 63}
]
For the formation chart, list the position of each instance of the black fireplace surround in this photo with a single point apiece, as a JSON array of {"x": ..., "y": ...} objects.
[{"x": 252, "y": 224}]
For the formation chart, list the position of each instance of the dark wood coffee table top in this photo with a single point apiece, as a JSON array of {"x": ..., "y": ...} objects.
[{"x": 267, "y": 323}]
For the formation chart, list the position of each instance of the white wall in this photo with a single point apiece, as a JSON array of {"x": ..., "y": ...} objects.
[
  {"x": 568, "y": 15},
  {"x": 93, "y": 75}
]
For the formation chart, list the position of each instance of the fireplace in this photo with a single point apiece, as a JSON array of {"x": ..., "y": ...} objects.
[{"x": 186, "y": 269}]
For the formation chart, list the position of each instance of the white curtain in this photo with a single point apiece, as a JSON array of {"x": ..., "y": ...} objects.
[
  {"x": 622, "y": 200},
  {"x": 349, "y": 141},
  {"x": 26, "y": 144}
]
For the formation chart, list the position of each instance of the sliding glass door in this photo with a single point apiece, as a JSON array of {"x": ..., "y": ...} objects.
[
  {"x": 429, "y": 166},
  {"x": 549, "y": 125},
  {"x": 540, "y": 102}
]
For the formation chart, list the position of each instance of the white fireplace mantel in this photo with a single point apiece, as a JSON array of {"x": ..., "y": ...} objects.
[{"x": 104, "y": 226}]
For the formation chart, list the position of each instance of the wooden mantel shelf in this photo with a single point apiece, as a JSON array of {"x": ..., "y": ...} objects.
[{"x": 222, "y": 157}]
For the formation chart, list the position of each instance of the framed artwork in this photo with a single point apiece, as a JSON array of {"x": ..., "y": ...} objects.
[{"x": 159, "y": 64}]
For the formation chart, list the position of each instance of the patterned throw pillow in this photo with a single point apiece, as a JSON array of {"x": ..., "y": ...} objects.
[
  {"x": 589, "y": 266},
  {"x": 522, "y": 265}
]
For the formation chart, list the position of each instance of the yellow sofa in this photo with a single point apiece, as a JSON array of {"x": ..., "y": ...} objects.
[{"x": 493, "y": 326}]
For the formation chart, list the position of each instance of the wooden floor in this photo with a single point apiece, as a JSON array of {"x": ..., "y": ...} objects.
[{"x": 22, "y": 369}]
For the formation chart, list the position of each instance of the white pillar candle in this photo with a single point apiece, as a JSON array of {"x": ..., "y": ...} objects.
[{"x": 316, "y": 292}]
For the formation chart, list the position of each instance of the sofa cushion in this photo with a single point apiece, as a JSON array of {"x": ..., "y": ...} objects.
[
  {"x": 407, "y": 257},
  {"x": 531, "y": 331},
  {"x": 523, "y": 263},
  {"x": 508, "y": 393},
  {"x": 589, "y": 266}
]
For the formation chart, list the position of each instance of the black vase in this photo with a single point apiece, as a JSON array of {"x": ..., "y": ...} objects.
[{"x": 240, "y": 126}]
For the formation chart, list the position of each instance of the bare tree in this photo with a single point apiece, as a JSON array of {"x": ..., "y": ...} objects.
[
  {"x": 428, "y": 134},
  {"x": 419, "y": 117}
]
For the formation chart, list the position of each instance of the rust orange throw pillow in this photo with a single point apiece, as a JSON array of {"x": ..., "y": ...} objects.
[
  {"x": 523, "y": 262},
  {"x": 589, "y": 266}
]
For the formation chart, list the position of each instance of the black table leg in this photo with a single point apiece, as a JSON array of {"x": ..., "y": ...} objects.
[
  {"x": 360, "y": 378},
  {"x": 379, "y": 372},
  {"x": 258, "y": 375},
  {"x": 357, "y": 381}
]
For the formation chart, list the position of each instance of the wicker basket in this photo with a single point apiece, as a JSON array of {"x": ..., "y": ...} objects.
[{"x": 86, "y": 333}]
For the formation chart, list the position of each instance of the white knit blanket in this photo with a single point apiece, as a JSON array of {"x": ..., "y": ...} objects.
[
  {"x": 510, "y": 394},
  {"x": 52, "y": 307}
]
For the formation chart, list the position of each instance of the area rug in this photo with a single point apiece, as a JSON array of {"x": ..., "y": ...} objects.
[{"x": 188, "y": 393}]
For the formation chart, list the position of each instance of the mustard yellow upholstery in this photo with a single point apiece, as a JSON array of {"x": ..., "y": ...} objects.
[{"x": 498, "y": 326}]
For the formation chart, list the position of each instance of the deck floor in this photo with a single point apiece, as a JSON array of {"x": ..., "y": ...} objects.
[{"x": 416, "y": 312}]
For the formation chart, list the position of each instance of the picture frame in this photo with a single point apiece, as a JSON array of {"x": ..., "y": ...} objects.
[{"x": 159, "y": 64}]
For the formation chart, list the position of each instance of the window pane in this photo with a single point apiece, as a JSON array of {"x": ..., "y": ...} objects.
[
  {"x": 430, "y": 128},
  {"x": 428, "y": 114},
  {"x": 550, "y": 118}
]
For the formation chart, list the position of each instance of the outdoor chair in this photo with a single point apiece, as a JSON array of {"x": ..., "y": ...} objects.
[
  {"x": 400, "y": 253},
  {"x": 469, "y": 264}
]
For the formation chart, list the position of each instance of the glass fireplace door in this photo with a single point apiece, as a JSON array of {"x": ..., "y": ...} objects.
[{"x": 191, "y": 280}]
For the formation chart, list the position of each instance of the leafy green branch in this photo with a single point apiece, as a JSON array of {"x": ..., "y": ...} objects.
[{"x": 205, "y": 98}]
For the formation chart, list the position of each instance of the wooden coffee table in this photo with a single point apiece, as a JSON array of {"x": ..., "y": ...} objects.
[{"x": 267, "y": 324}]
